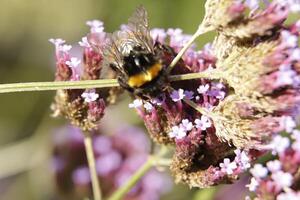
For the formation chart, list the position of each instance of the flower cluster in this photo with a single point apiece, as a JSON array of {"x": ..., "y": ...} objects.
[
  {"x": 222, "y": 122},
  {"x": 117, "y": 158},
  {"x": 84, "y": 108},
  {"x": 279, "y": 177},
  {"x": 256, "y": 96}
]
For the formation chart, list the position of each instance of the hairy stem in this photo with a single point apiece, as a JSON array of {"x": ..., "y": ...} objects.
[
  {"x": 89, "y": 84},
  {"x": 152, "y": 161},
  {"x": 92, "y": 166}
]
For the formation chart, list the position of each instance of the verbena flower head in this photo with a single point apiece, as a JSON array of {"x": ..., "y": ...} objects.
[
  {"x": 84, "y": 108},
  {"x": 117, "y": 157}
]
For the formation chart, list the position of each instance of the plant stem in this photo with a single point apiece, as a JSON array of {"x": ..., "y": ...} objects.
[
  {"x": 152, "y": 160},
  {"x": 209, "y": 74},
  {"x": 44, "y": 86},
  {"x": 88, "y": 84},
  {"x": 185, "y": 48},
  {"x": 92, "y": 166}
]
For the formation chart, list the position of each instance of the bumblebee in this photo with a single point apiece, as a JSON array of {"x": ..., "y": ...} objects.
[{"x": 139, "y": 62}]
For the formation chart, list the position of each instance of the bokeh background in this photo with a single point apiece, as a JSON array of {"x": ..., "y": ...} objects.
[{"x": 26, "y": 127}]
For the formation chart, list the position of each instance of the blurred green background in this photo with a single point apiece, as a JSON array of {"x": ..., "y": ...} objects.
[{"x": 26, "y": 55}]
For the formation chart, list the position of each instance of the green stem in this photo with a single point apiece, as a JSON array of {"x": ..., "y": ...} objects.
[
  {"x": 92, "y": 166},
  {"x": 209, "y": 74},
  {"x": 89, "y": 84},
  {"x": 152, "y": 161},
  {"x": 44, "y": 86}
]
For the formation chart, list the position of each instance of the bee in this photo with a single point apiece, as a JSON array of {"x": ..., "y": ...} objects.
[{"x": 139, "y": 62}]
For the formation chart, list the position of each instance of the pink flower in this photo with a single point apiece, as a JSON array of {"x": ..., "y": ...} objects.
[
  {"x": 259, "y": 171},
  {"x": 202, "y": 89},
  {"x": 73, "y": 62},
  {"x": 137, "y": 103},
  {"x": 96, "y": 26},
  {"x": 282, "y": 179},
  {"x": 274, "y": 166},
  {"x": 57, "y": 42},
  {"x": 242, "y": 159},
  {"x": 90, "y": 96},
  {"x": 289, "y": 195},
  {"x": 279, "y": 144},
  {"x": 253, "y": 184},
  {"x": 288, "y": 123},
  {"x": 288, "y": 39},
  {"x": 148, "y": 106},
  {"x": 177, "y": 132},
  {"x": 84, "y": 42},
  {"x": 227, "y": 166}
]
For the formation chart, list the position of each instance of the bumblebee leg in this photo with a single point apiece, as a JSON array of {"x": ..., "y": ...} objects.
[{"x": 123, "y": 84}]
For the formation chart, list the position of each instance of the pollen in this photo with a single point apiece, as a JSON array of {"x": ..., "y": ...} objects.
[{"x": 144, "y": 77}]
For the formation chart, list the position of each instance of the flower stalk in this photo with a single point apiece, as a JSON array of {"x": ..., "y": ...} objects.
[
  {"x": 89, "y": 84},
  {"x": 92, "y": 166},
  {"x": 199, "y": 32},
  {"x": 153, "y": 160}
]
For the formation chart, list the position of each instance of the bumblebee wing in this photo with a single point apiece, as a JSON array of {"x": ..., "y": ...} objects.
[
  {"x": 113, "y": 56},
  {"x": 135, "y": 33},
  {"x": 138, "y": 26}
]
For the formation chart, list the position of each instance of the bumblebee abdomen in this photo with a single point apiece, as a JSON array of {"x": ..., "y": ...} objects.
[{"x": 143, "y": 77}]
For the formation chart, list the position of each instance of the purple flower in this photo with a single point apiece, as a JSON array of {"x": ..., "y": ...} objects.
[
  {"x": 186, "y": 125},
  {"x": 81, "y": 176},
  {"x": 189, "y": 94},
  {"x": 158, "y": 34},
  {"x": 102, "y": 145},
  {"x": 177, "y": 95},
  {"x": 117, "y": 156},
  {"x": 203, "y": 123},
  {"x": 108, "y": 162},
  {"x": 202, "y": 89}
]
